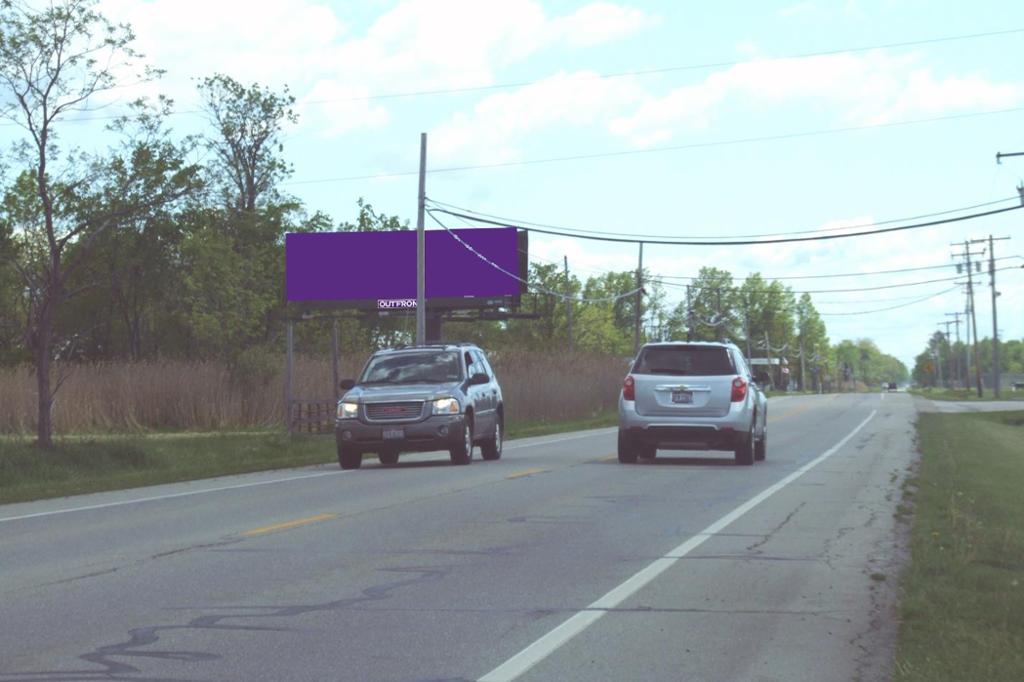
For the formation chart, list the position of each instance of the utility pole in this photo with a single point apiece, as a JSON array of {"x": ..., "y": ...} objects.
[
  {"x": 689, "y": 315},
  {"x": 421, "y": 249},
  {"x": 956, "y": 356},
  {"x": 950, "y": 375},
  {"x": 639, "y": 300},
  {"x": 802, "y": 386},
  {"x": 974, "y": 318},
  {"x": 568, "y": 300},
  {"x": 995, "y": 323}
]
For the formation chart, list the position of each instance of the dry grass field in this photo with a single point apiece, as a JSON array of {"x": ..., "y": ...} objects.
[{"x": 170, "y": 395}]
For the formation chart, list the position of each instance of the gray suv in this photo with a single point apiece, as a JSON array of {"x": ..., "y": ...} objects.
[
  {"x": 421, "y": 398},
  {"x": 692, "y": 396}
]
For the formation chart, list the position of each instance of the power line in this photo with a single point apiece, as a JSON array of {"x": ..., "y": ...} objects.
[
  {"x": 527, "y": 223},
  {"x": 684, "y": 67},
  {"x": 839, "y": 291},
  {"x": 549, "y": 292},
  {"x": 656, "y": 150},
  {"x": 894, "y": 307},
  {"x": 616, "y": 74},
  {"x": 786, "y": 240},
  {"x": 846, "y": 274}
]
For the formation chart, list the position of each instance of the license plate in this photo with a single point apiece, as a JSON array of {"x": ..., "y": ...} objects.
[
  {"x": 682, "y": 397},
  {"x": 394, "y": 434}
]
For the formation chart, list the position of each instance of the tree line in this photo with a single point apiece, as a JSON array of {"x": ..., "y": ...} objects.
[
  {"x": 951, "y": 363},
  {"x": 172, "y": 246}
]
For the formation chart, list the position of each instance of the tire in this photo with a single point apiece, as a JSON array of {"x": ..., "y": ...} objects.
[
  {"x": 490, "y": 449},
  {"x": 463, "y": 452},
  {"x": 647, "y": 452},
  {"x": 745, "y": 448},
  {"x": 627, "y": 450},
  {"x": 761, "y": 447},
  {"x": 349, "y": 458},
  {"x": 388, "y": 457}
]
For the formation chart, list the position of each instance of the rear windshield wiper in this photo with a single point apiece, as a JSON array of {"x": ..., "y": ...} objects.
[{"x": 668, "y": 370}]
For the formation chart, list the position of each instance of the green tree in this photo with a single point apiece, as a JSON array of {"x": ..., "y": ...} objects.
[{"x": 53, "y": 61}]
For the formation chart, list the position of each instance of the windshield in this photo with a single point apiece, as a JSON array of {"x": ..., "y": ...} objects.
[
  {"x": 412, "y": 368},
  {"x": 685, "y": 361}
]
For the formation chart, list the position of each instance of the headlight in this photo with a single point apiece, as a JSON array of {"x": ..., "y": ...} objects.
[
  {"x": 446, "y": 406},
  {"x": 348, "y": 410}
]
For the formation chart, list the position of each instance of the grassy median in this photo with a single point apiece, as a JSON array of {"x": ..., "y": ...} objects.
[
  {"x": 962, "y": 610},
  {"x": 87, "y": 464}
]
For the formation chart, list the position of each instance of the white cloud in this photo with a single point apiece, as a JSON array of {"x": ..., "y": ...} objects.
[
  {"x": 861, "y": 89},
  {"x": 492, "y": 132},
  {"x": 415, "y": 45}
]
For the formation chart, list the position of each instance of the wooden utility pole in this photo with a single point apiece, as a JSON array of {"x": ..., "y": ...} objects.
[
  {"x": 956, "y": 356},
  {"x": 995, "y": 321},
  {"x": 639, "y": 300},
  {"x": 970, "y": 304},
  {"x": 568, "y": 300}
]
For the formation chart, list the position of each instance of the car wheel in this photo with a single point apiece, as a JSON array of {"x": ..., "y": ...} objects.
[
  {"x": 463, "y": 452},
  {"x": 491, "y": 448},
  {"x": 349, "y": 458},
  {"x": 761, "y": 447},
  {"x": 647, "y": 452},
  {"x": 745, "y": 447},
  {"x": 627, "y": 450},
  {"x": 388, "y": 457}
]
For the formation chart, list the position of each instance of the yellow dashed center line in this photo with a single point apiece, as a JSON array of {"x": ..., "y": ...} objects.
[
  {"x": 528, "y": 472},
  {"x": 289, "y": 524},
  {"x": 609, "y": 458}
]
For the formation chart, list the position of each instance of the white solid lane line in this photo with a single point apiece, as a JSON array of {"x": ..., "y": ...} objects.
[
  {"x": 169, "y": 496},
  {"x": 155, "y": 498},
  {"x": 543, "y": 647}
]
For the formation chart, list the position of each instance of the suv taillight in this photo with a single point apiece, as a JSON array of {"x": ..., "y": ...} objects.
[
  {"x": 739, "y": 389},
  {"x": 629, "y": 388}
]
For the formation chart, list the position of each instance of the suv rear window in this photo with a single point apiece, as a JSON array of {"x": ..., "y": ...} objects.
[
  {"x": 412, "y": 368},
  {"x": 685, "y": 361}
]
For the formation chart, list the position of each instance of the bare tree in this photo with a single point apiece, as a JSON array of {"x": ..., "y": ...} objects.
[{"x": 55, "y": 62}]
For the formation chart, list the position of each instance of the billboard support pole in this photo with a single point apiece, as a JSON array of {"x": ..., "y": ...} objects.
[
  {"x": 334, "y": 359},
  {"x": 421, "y": 302},
  {"x": 289, "y": 369}
]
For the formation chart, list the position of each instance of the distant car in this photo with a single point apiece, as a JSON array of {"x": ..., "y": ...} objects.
[
  {"x": 692, "y": 396},
  {"x": 892, "y": 386},
  {"x": 421, "y": 398}
]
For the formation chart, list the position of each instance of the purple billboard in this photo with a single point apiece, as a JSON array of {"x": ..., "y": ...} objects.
[{"x": 378, "y": 269}]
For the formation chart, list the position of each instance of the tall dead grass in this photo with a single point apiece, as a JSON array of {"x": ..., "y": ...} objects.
[{"x": 205, "y": 396}]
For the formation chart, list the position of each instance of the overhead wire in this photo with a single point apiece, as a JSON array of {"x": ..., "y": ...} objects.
[
  {"x": 730, "y": 242},
  {"x": 655, "y": 150},
  {"x": 889, "y": 221},
  {"x": 837, "y": 291},
  {"x": 894, "y": 307},
  {"x": 543, "y": 290},
  {"x": 611, "y": 75}
]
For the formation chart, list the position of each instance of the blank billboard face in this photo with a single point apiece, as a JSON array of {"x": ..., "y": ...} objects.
[{"x": 378, "y": 269}]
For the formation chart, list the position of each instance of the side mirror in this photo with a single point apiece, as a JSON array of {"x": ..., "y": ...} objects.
[
  {"x": 347, "y": 384},
  {"x": 479, "y": 379}
]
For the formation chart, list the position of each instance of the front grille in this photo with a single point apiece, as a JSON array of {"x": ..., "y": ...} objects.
[{"x": 388, "y": 412}]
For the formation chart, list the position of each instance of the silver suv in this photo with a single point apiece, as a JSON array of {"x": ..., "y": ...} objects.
[
  {"x": 692, "y": 396},
  {"x": 421, "y": 398}
]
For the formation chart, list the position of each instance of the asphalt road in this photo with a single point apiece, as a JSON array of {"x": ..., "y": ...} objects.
[{"x": 555, "y": 563}]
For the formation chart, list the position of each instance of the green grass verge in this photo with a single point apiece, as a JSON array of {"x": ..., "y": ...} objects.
[
  {"x": 962, "y": 610},
  {"x": 965, "y": 394},
  {"x": 87, "y": 464}
]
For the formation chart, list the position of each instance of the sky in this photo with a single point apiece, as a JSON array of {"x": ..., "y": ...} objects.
[{"x": 712, "y": 120}]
